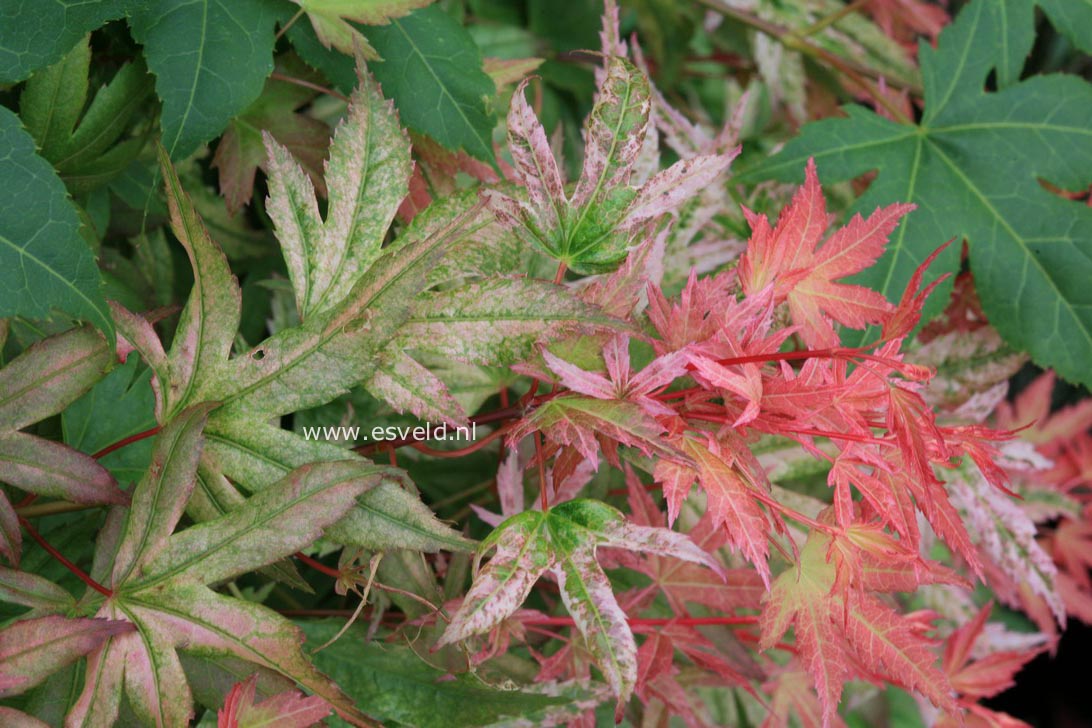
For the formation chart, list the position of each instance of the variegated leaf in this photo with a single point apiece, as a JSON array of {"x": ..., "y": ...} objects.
[
  {"x": 564, "y": 540},
  {"x": 367, "y": 176},
  {"x": 33, "y": 649}
]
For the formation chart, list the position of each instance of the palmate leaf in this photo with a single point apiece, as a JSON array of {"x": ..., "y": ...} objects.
[
  {"x": 433, "y": 70},
  {"x": 592, "y": 230},
  {"x": 210, "y": 59},
  {"x": 45, "y": 265},
  {"x": 83, "y": 146},
  {"x": 38, "y": 383},
  {"x": 563, "y": 541},
  {"x": 330, "y": 19},
  {"x": 842, "y": 633},
  {"x": 158, "y": 579},
  {"x": 973, "y": 167},
  {"x": 354, "y": 296},
  {"x": 33, "y": 649}
]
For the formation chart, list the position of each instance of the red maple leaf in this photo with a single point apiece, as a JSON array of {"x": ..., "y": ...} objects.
[{"x": 804, "y": 273}]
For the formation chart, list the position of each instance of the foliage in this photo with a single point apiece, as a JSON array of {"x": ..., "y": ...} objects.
[{"x": 425, "y": 419}]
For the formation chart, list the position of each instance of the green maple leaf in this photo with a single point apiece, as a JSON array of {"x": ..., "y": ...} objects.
[
  {"x": 36, "y": 34},
  {"x": 210, "y": 59},
  {"x": 973, "y": 167},
  {"x": 433, "y": 70},
  {"x": 563, "y": 541},
  {"x": 83, "y": 145},
  {"x": 45, "y": 265},
  {"x": 330, "y": 19}
]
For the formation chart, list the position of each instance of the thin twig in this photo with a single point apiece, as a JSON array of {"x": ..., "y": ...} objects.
[{"x": 83, "y": 575}]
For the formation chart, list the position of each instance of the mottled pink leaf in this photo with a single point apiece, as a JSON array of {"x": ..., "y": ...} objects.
[{"x": 33, "y": 649}]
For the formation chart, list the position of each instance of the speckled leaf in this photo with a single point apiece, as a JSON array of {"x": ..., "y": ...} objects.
[
  {"x": 50, "y": 375},
  {"x": 367, "y": 177},
  {"x": 497, "y": 322},
  {"x": 277, "y": 522},
  {"x": 33, "y": 649},
  {"x": 38, "y": 383},
  {"x": 210, "y": 319},
  {"x": 159, "y": 577},
  {"x": 564, "y": 540},
  {"x": 31, "y": 590},
  {"x": 614, "y": 200},
  {"x": 203, "y": 621},
  {"x": 409, "y": 387},
  {"x": 46, "y": 467},
  {"x": 1004, "y": 533},
  {"x": 388, "y": 516},
  {"x": 522, "y": 555},
  {"x": 160, "y": 498}
]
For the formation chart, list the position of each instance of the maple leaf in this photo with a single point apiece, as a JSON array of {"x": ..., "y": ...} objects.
[
  {"x": 241, "y": 150},
  {"x": 791, "y": 691},
  {"x": 683, "y": 582},
  {"x": 1005, "y": 534},
  {"x": 33, "y": 649},
  {"x": 563, "y": 541},
  {"x": 838, "y": 629},
  {"x": 620, "y": 382},
  {"x": 592, "y": 230},
  {"x": 83, "y": 136},
  {"x": 331, "y": 20},
  {"x": 157, "y": 581},
  {"x": 40, "y": 382},
  {"x": 290, "y": 708},
  {"x": 1007, "y": 216},
  {"x": 355, "y": 298},
  {"x": 805, "y": 275},
  {"x": 983, "y": 677},
  {"x": 731, "y": 494}
]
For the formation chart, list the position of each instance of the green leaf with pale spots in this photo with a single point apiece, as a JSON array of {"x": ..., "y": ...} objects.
[
  {"x": 433, "y": 71},
  {"x": 45, "y": 265},
  {"x": 158, "y": 579},
  {"x": 614, "y": 206},
  {"x": 210, "y": 59},
  {"x": 973, "y": 167},
  {"x": 367, "y": 175},
  {"x": 563, "y": 541}
]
